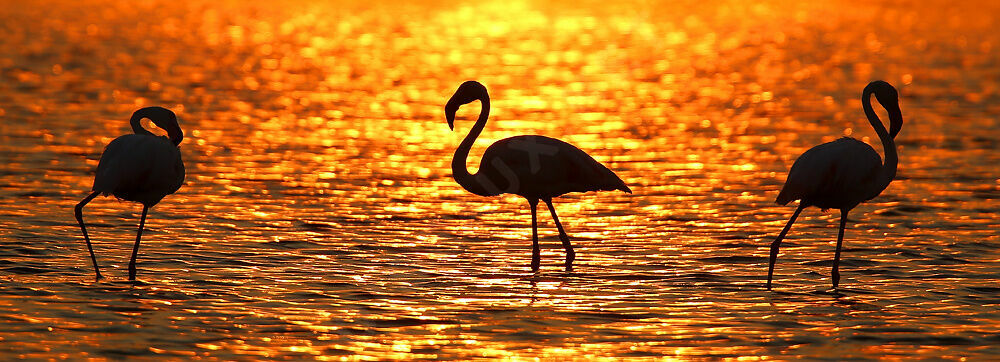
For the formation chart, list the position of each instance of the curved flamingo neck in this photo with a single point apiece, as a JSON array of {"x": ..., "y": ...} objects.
[
  {"x": 888, "y": 143},
  {"x": 136, "y": 122},
  {"x": 458, "y": 163},
  {"x": 162, "y": 118}
]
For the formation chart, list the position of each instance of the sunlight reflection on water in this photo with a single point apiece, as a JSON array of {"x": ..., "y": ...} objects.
[{"x": 320, "y": 220}]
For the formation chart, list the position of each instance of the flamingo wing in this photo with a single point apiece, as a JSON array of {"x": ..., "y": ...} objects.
[{"x": 585, "y": 173}]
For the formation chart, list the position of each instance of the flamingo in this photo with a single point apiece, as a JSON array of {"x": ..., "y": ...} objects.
[
  {"x": 140, "y": 167},
  {"x": 531, "y": 166},
  {"x": 843, "y": 173}
]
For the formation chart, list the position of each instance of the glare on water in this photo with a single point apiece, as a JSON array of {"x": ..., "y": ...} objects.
[{"x": 319, "y": 218}]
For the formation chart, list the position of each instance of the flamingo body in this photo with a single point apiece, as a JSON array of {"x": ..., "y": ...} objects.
[
  {"x": 844, "y": 173},
  {"x": 140, "y": 167},
  {"x": 566, "y": 169},
  {"x": 846, "y": 179},
  {"x": 531, "y": 166}
]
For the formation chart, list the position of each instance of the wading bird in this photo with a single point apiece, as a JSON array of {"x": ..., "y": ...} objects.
[
  {"x": 843, "y": 173},
  {"x": 140, "y": 167},
  {"x": 533, "y": 167}
]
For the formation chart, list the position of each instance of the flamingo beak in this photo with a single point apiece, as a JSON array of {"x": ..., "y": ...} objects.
[
  {"x": 895, "y": 120},
  {"x": 449, "y": 113}
]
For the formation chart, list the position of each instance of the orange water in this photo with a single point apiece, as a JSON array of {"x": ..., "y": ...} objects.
[{"x": 319, "y": 218}]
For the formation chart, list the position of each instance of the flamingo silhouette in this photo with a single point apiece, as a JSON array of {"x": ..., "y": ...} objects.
[
  {"x": 140, "y": 167},
  {"x": 843, "y": 173},
  {"x": 533, "y": 167}
]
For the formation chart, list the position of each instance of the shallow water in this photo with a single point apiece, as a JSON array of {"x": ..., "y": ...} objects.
[{"x": 319, "y": 218}]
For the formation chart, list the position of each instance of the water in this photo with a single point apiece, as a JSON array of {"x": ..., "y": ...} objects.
[{"x": 319, "y": 218}]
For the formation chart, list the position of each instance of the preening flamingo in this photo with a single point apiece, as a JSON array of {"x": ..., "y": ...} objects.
[
  {"x": 534, "y": 167},
  {"x": 843, "y": 173},
  {"x": 140, "y": 167}
]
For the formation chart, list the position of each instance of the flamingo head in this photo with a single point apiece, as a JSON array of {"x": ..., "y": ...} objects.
[
  {"x": 888, "y": 97},
  {"x": 468, "y": 92},
  {"x": 449, "y": 113}
]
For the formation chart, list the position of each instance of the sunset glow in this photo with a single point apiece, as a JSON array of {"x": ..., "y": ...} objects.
[{"x": 319, "y": 218}]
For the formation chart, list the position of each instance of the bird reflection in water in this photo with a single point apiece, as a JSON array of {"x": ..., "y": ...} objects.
[
  {"x": 531, "y": 166},
  {"x": 140, "y": 167},
  {"x": 843, "y": 173}
]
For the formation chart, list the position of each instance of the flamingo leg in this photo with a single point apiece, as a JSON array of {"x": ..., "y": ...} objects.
[
  {"x": 135, "y": 248},
  {"x": 536, "y": 253},
  {"x": 777, "y": 243},
  {"x": 835, "y": 274},
  {"x": 570, "y": 254},
  {"x": 79, "y": 218}
]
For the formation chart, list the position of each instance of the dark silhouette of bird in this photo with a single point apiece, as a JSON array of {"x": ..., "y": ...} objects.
[
  {"x": 140, "y": 167},
  {"x": 843, "y": 173},
  {"x": 533, "y": 167}
]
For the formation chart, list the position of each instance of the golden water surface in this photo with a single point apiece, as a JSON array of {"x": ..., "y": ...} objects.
[{"x": 319, "y": 218}]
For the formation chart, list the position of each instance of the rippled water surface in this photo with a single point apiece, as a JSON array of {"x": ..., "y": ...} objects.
[{"x": 319, "y": 218}]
